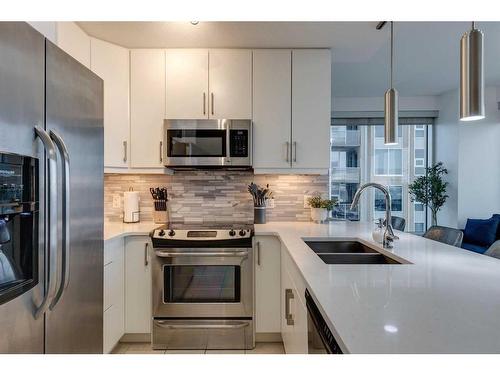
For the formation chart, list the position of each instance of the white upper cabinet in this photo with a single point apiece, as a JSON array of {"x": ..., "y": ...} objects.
[
  {"x": 147, "y": 107},
  {"x": 230, "y": 83},
  {"x": 111, "y": 63},
  {"x": 272, "y": 85},
  {"x": 311, "y": 109},
  {"x": 186, "y": 84},
  {"x": 73, "y": 41}
]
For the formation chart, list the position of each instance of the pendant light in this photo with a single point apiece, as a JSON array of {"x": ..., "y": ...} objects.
[
  {"x": 471, "y": 75},
  {"x": 391, "y": 120}
]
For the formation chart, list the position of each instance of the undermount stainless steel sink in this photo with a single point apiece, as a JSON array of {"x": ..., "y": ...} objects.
[{"x": 348, "y": 252}]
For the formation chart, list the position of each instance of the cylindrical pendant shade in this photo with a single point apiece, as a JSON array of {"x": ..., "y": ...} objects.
[
  {"x": 391, "y": 117},
  {"x": 471, "y": 76}
]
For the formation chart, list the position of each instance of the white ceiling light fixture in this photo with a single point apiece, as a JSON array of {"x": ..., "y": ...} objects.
[
  {"x": 391, "y": 120},
  {"x": 472, "y": 75},
  {"x": 194, "y": 23}
]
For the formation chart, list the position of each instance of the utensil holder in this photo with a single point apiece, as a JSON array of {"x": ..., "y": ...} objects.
[
  {"x": 160, "y": 217},
  {"x": 259, "y": 215}
]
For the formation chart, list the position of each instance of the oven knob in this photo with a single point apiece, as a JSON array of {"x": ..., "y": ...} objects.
[
  {"x": 242, "y": 233},
  {"x": 161, "y": 233},
  {"x": 171, "y": 233},
  {"x": 232, "y": 233}
]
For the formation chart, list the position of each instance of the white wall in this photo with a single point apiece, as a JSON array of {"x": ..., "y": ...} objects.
[
  {"x": 471, "y": 152},
  {"x": 48, "y": 29},
  {"x": 74, "y": 41},
  {"x": 410, "y": 103}
]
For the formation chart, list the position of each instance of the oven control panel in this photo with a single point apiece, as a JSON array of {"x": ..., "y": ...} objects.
[{"x": 201, "y": 234}]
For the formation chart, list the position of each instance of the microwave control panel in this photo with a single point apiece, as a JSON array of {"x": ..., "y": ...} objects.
[{"x": 238, "y": 143}]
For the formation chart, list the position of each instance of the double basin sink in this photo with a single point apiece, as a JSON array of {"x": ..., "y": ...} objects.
[{"x": 348, "y": 252}]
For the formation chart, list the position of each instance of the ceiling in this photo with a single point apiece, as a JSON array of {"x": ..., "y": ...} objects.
[{"x": 426, "y": 53}]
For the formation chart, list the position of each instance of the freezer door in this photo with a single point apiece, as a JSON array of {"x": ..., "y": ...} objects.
[
  {"x": 74, "y": 118},
  {"x": 21, "y": 108}
]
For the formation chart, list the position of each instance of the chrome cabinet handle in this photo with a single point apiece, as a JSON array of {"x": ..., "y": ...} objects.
[
  {"x": 287, "y": 155},
  {"x": 161, "y": 151},
  {"x": 204, "y": 103},
  {"x": 51, "y": 223},
  {"x": 124, "y": 151},
  {"x": 257, "y": 245},
  {"x": 294, "y": 152},
  {"x": 171, "y": 325},
  {"x": 65, "y": 243},
  {"x": 172, "y": 254},
  {"x": 212, "y": 102},
  {"x": 288, "y": 315},
  {"x": 146, "y": 262}
]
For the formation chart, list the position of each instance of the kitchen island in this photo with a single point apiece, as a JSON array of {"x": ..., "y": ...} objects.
[{"x": 443, "y": 300}]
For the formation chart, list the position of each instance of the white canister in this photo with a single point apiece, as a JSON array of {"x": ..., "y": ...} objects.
[{"x": 131, "y": 207}]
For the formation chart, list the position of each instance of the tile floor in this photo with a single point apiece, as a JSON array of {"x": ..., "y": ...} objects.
[{"x": 145, "y": 348}]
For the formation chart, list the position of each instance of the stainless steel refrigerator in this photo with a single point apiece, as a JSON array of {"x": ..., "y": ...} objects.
[{"x": 51, "y": 111}]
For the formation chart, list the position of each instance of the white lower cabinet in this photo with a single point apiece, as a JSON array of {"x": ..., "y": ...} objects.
[
  {"x": 137, "y": 284},
  {"x": 114, "y": 294},
  {"x": 267, "y": 250},
  {"x": 293, "y": 309}
]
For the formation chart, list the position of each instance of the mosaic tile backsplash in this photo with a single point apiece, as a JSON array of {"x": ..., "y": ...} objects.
[{"x": 209, "y": 196}]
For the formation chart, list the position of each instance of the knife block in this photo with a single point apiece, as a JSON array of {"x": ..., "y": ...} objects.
[{"x": 160, "y": 217}]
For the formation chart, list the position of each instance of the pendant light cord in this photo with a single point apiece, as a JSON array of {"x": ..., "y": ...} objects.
[{"x": 392, "y": 50}]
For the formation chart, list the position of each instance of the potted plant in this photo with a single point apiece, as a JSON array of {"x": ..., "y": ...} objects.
[
  {"x": 320, "y": 207},
  {"x": 430, "y": 189}
]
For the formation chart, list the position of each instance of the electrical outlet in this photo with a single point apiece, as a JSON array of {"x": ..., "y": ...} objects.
[
  {"x": 117, "y": 201},
  {"x": 270, "y": 203},
  {"x": 306, "y": 204}
]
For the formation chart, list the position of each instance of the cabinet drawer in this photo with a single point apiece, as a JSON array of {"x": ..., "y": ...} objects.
[
  {"x": 293, "y": 271},
  {"x": 113, "y": 249},
  {"x": 113, "y": 328}
]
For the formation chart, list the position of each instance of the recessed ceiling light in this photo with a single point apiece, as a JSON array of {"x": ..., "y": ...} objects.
[
  {"x": 194, "y": 23},
  {"x": 390, "y": 328}
]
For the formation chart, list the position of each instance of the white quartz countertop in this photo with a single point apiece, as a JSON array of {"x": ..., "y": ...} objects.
[
  {"x": 446, "y": 301},
  {"x": 116, "y": 229}
]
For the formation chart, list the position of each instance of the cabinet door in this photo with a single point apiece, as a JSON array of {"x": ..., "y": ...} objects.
[
  {"x": 272, "y": 88},
  {"x": 147, "y": 107},
  {"x": 287, "y": 300},
  {"x": 137, "y": 285},
  {"x": 111, "y": 63},
  {"x": 267, "y": 284},
  {"x": 311, "y": 109},
  {"x": 186, "y": 73},
  {"x": 230, "y": 78}
]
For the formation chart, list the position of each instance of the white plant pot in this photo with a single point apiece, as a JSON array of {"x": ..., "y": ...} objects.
[{"x": 319, "y": 214}]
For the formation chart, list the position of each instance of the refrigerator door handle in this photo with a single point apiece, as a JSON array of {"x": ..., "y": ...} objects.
[
  {"x": 65, "y": 243},
  {"x": 51, "y": 223}
]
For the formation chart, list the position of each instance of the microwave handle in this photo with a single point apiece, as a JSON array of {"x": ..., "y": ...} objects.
[
  {"x": 228, "y": 142},
  {"x": 51, "y": 223}
]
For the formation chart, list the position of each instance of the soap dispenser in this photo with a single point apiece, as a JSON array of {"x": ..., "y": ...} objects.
[{"x": 378, "y": 232}]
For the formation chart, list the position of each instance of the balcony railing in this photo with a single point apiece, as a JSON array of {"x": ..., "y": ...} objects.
[
  {"x": 348, "y": 174},
  {"x": 346, "y": 138}
]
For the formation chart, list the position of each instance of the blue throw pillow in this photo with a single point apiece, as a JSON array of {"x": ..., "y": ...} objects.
[
  {"x": 481, "y": 232},
  {"x": 497, "y": 217}
]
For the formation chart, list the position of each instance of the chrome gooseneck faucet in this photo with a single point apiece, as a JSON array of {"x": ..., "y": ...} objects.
[{"x": 389, "y": 235}]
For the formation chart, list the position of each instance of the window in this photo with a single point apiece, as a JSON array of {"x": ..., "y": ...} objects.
[
  {"x": 396, "y": 198},
  {"x": 358, "y": 155}
]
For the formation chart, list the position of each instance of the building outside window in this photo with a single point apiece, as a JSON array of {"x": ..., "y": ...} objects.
[{"x": 358, "y": 155}]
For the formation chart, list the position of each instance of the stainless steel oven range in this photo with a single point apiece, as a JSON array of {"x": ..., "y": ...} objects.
[{"x": 203, "y": 281}]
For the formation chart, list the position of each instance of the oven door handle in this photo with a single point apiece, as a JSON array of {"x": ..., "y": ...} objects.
[
  {"x": 170, "y": 325},
  {"x": 173, "y": 254}
]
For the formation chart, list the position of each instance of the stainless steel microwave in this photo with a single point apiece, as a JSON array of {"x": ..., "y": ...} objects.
[{"x": 207, "y": 144}]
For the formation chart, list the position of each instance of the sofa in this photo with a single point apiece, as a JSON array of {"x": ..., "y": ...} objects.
[{"x": 482, "y": 235}]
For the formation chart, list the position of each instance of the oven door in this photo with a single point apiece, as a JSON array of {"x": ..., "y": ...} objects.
[{"x": 203, "y": 283}]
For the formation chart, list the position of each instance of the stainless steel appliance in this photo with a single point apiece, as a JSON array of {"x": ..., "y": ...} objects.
[
  {"x": 320, "y": 339},
  {"x": 51, "y": 119},
  {"x": 207, "y": 144},
  {"x": 203, "y": 279}
]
